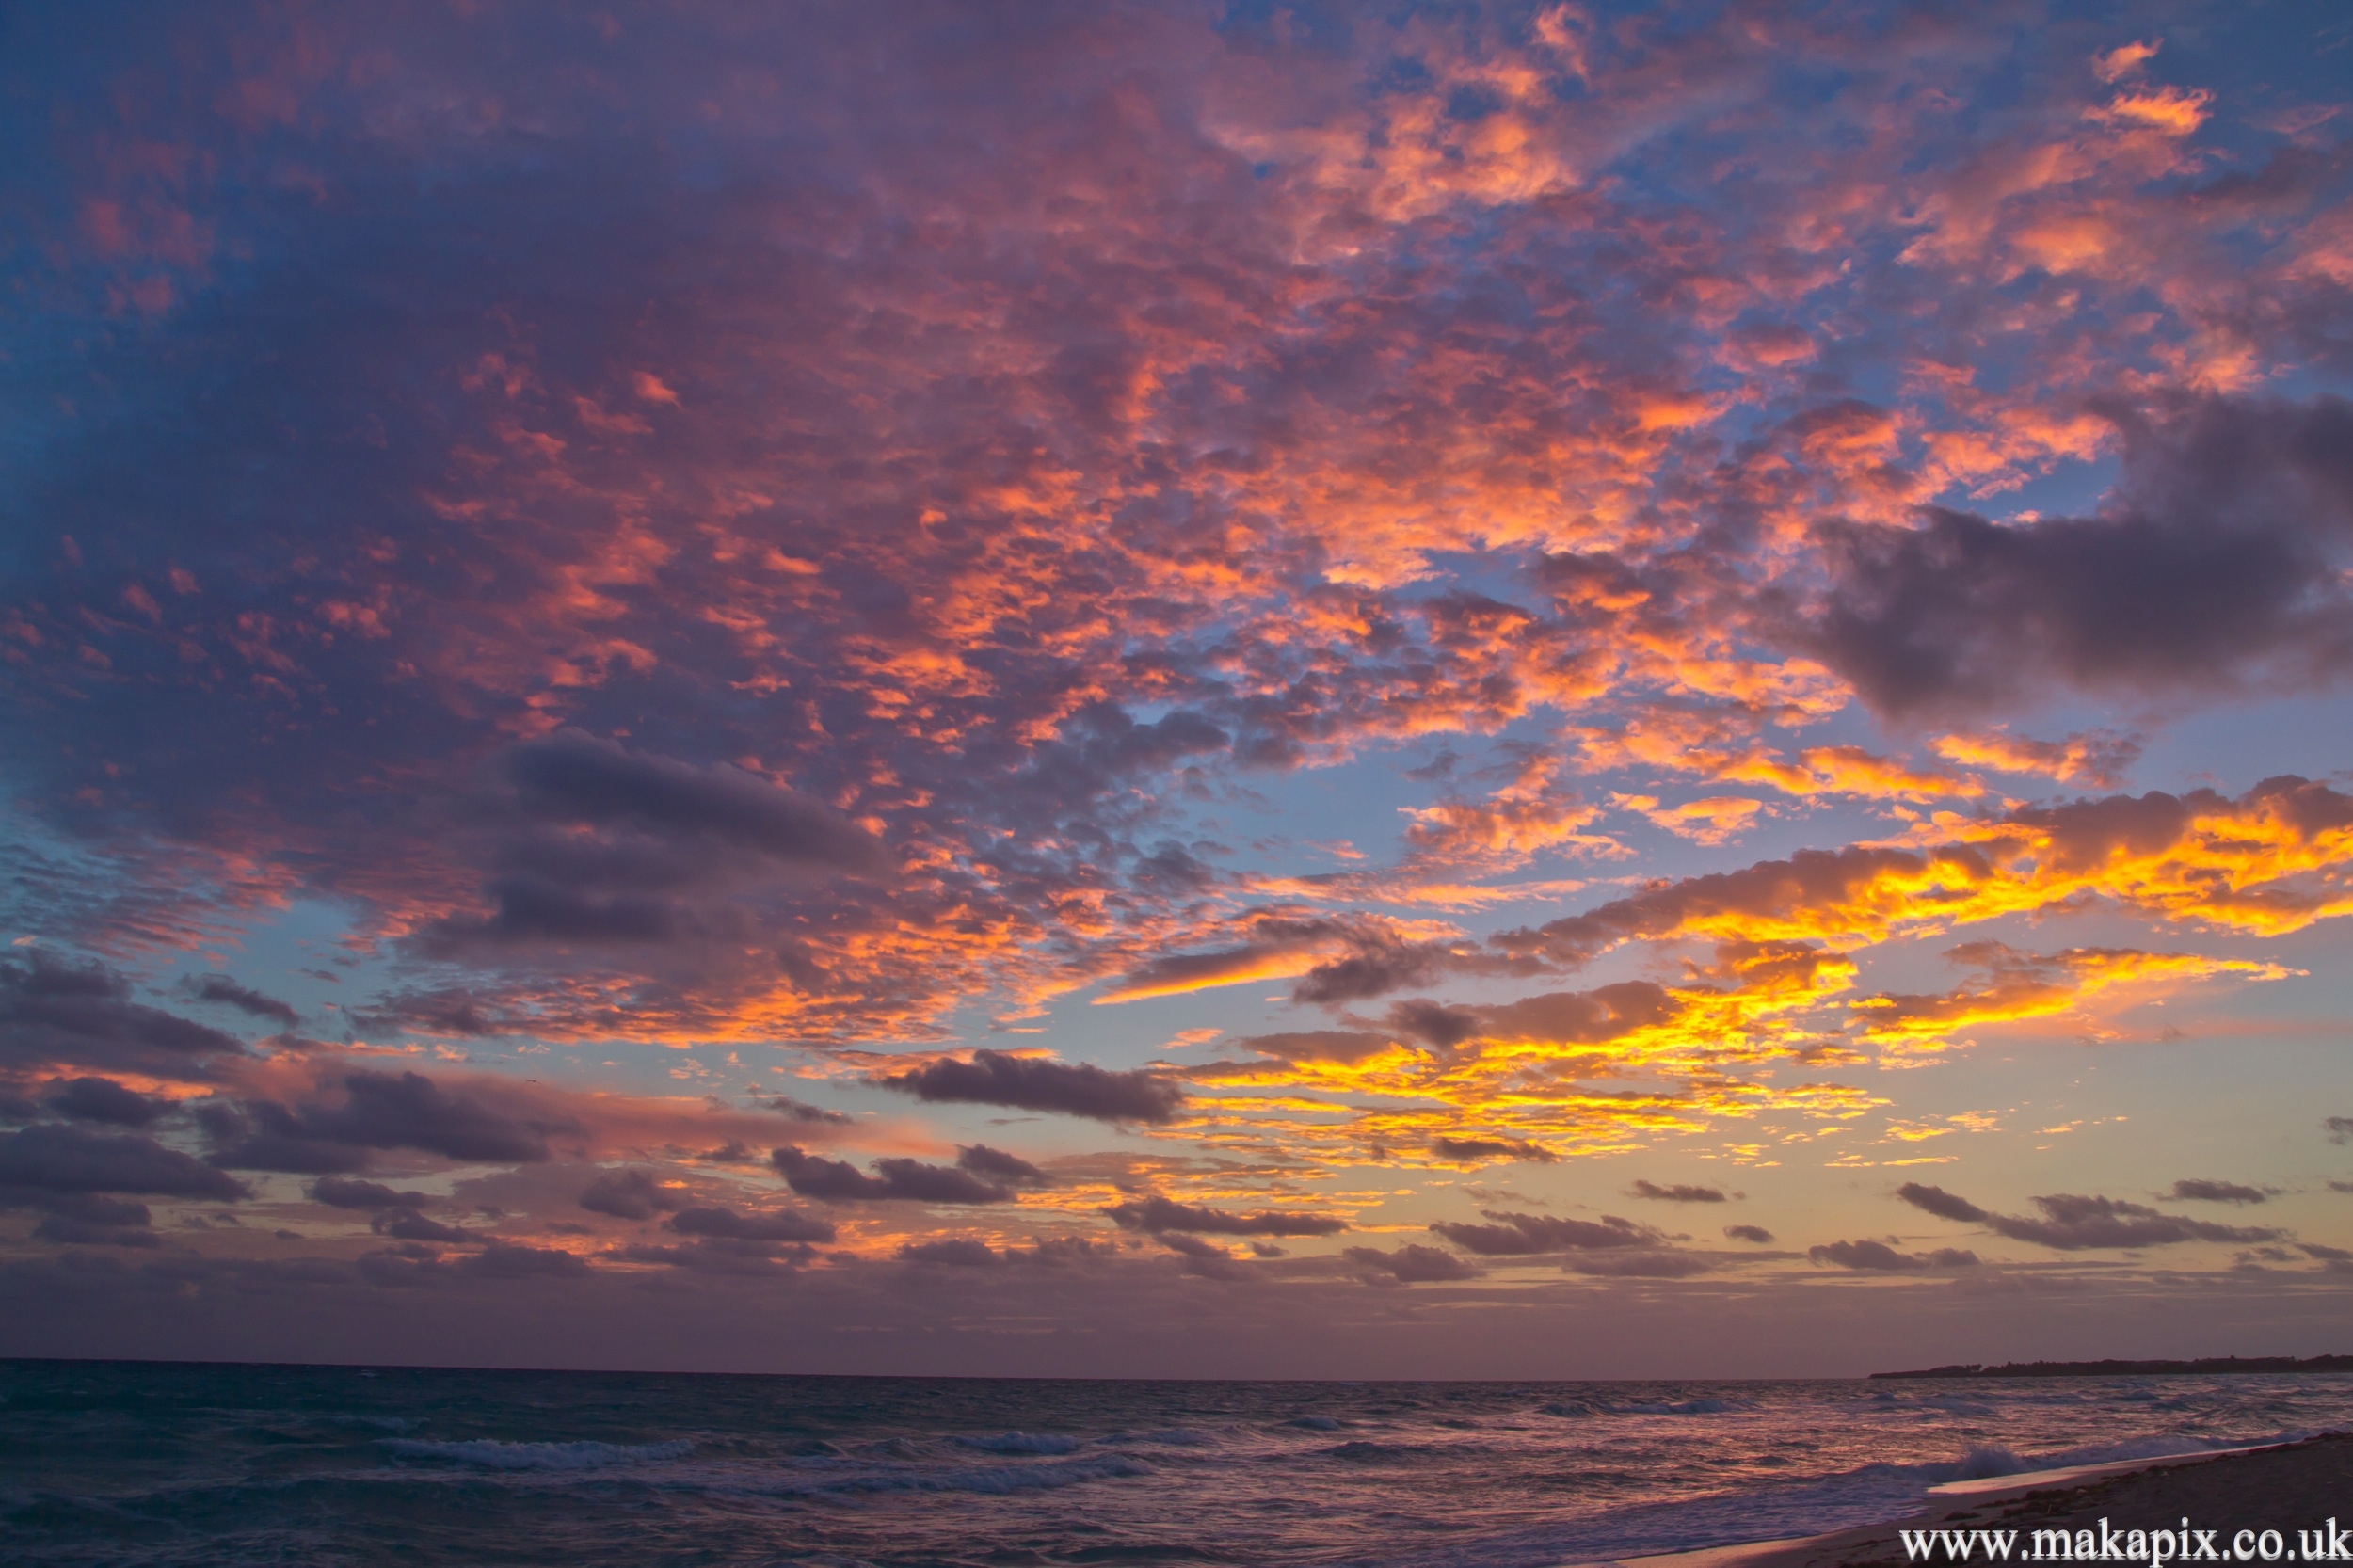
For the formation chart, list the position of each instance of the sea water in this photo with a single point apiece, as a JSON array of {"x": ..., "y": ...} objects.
[{"x": 151, "y": 1463}]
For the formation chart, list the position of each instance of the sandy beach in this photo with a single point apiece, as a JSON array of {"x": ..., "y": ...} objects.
[{"x": 2289, "y": 1487}]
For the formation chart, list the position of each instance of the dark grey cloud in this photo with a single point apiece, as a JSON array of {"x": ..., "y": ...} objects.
[
  {"x": 507, "y": 1260},
  {"x": 719, "y": 1254},
  {"x": 588, "y": 844},
  {"x": 406, "y": 1224},
  {"x": 2340, "y": 1129},
  {"x": 338, "y": 1191},
  {"x": 1604, "y": 1013},
  {"x": 1878, "y": 1257},
  {"x": 54, "y": 1013},
  {"x": 1024, "y": 1083},
  {"x": 893, "y": 1180},
  {"x": 376, "y": 1110},
  {"x": 226, "y": 991},
  {"x": 1411, "y": 1264},
  {"x": 2193, "y": 1190},
  {"x": 2075, "y": 1223},
  {"x": 995, "y": 1165},
  {"x": 1205, "y": 1259},
  {"x": 1379, "y": 964},
  {"x": 266, "y": 1136},
  {"x": 102, "y": 1099},
  {"x": 1757, "y": 1234},
  {"x": 88, "y": 1219},
  {"x": 1319, "y": 1045},
  {"x": 783, "y": 1224},
  {"x": 1677, "y": 1192},
  {"x": 629, "y": 1196},
  {"x": 417, "y": 1264},
  {"x": 801, "y": 1111},
  {"x": 576, "y": 778},
  {"x": 1434, "y": 1023},
  {"x": 1944, "y": 1205},
  {"x": 451, "y": 1011},
  {"x": 955, "y": 1253},
  {"x": 1468, "y": 1151},
  {"x": 57, "y": 1159},
  {"x": 1531, "y": 1235},
  {"x": 2217, "y": 562},
  {"x": 1638, "y": 1263},
  {"x": 1058, "y": 1252},
  {"x": 1161, "y": 1216}
]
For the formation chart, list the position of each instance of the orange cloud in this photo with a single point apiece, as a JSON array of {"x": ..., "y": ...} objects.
[
  {"x": 2173, "y": 111},
  {"x": 2123, "y": 60},
  {"x": 1710, "y": 820},
  {"x": 2021, "y": 985},
  {"x": 2087, "y": 758}
]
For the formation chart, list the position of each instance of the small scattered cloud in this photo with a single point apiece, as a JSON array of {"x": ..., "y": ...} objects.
[
  {"x": 338, "y": 1191},
  {"x": 1161, "y": 1215},
  {"x": 801, "y": 1111},
  {"x": 1205, "y": 1259},
  {"x": 1676, "y": 1193},
  {"x": 1639, "y": 1263},
  {"x": 1509, "y": 1235},
  {"x": 2073, "y": 1222},
  {"x": 1411, "y": 1264},
  {"x": 1480, "y": 1151},
  {"x": 2195, "y": 1190},
  {"x": 228, "y": 992},
  {"x": 717, "y": 1220},
  {"x": 1878, "y": 1257},
  {"x": 630, "y": 1194},
  {"x": 953, "y": 1253},
  {"x": 1027, "y": 1083},
  {"x": 894, "y": 1181}
]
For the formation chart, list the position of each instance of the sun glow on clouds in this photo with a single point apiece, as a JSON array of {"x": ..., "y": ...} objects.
[{"x": 929, "y": 526}]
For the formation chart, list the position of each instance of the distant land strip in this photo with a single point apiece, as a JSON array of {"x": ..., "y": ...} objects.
[{"x": 2134, "y": 1368}]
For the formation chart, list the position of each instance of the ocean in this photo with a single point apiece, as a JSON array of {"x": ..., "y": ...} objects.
[{"x": 112, "y": 1462}]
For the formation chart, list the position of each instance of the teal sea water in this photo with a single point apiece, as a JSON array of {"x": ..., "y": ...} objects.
[{"x": 149, "y": 1464}]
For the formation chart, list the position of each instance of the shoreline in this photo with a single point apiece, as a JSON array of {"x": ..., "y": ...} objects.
[{"x": 2282, "y": 1486}]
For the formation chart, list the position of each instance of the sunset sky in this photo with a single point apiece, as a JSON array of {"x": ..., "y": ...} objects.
[{"x": 1516, "y": 690}]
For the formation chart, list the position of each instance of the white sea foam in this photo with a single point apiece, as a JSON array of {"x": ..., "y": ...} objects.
[
  {"x": 2153, "y": 1446},
  {"x": 1989, "y": 1459},
  {"x": 490, "y": 1454}
]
